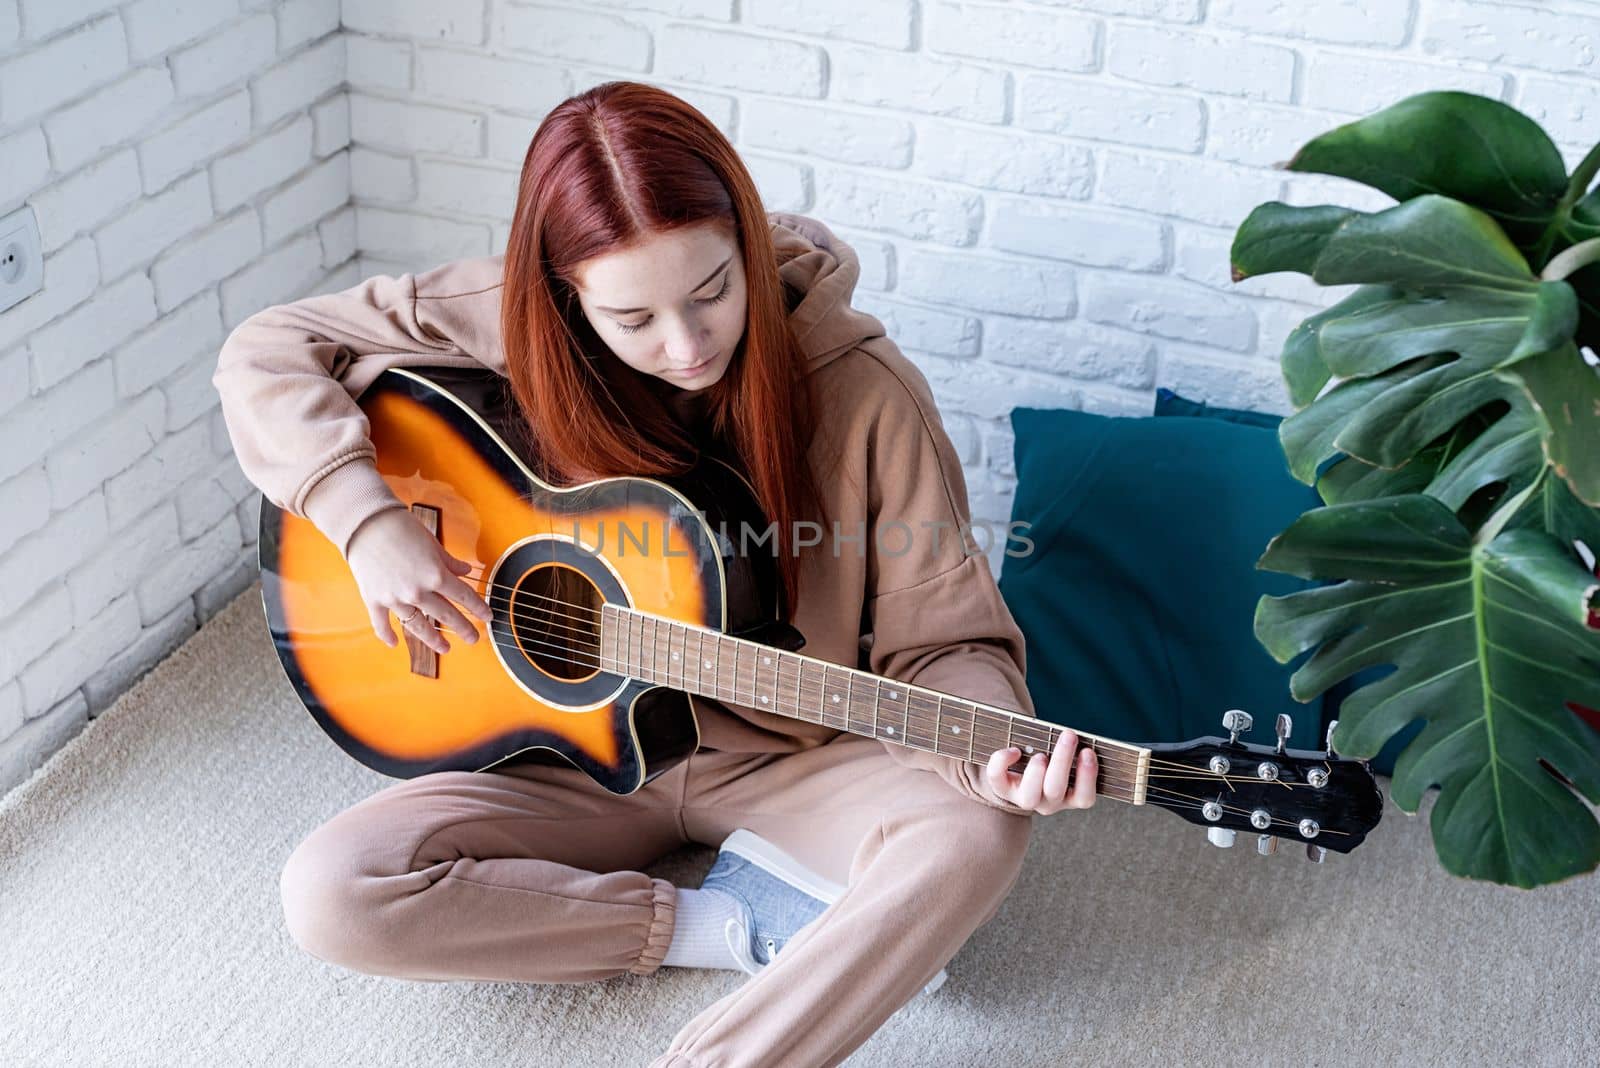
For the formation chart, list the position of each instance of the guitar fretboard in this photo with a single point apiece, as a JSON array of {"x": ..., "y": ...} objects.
[{"x": 711, "y": 664}]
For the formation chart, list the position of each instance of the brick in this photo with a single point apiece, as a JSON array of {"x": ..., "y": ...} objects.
[
  {"x": 575, "y": 36},
  {"x": 46, "y": 18},
  {"x": 1556, "y": 42},
  {"x": 203, "y": 502},
  {"x": 882, "y": 22},
  {"x": 297, "y": 82},
  {"x": 150, "y": 226},
  {"x": 1169, "y": 309},
  {"x": 879, "y": 78},
  {"x": 54, "y": 676},
  {"x": 1087, "y": 108},
  {"x": 702, "y": 9},
  {"x": 303, "y": 21},
  {"x": 876, "y": 256},
  {"x": 331, "y": 126},
  {"x": 990, "y": 159},
  {"x": 206, "y": 258},
  {"x": 79, "y": 133},
  {"x": 89, "y": 332},
  {"x": 167, "y": 586},
  {"x": 81, "y": 463},
  {"x": 1076, "y": 350},
  {"x": 141, "y": 547},
  {"x": 414, "y": 127},
  {"x": 826, "y": 132},
  {"x": 1219, "y": 194},
  {"x": 460, "y": 188},
  {"x": 227, "y": 58},
  {"x": 338, "y": 235},
  {"x": 1167, "y": 10},
  {"x": 15, "y": 386},
  {"x": 988, "y": 283},
  {"x": 1217, "y": 379},
  {"x": 71, "y": 276},
  {"x": 783, "y": 184},
  {"x": 217, "y": 592},
  {"x": 86, "y": 199},
  {"x": 47, "y": 554},
  {"x": 1382, "y": 23},
  {"x": 11, "y": 717},
  {"x": 194, "y": 140},
  {"x": 42, "y": 78},
  {"x": 154, "y": 644},
  {"x": 27, "y": 750},
  {"x": 990, "y": 391},
  {"x": 1362, "y": 84},
  {"x": 379, "y": 176},
  {"x": 372, "y": 63},
  {"x": 740, "y": 61},
  {"x": 158, "y": 26},
  {"x": 1013, "y": 36},
  {"x": 191, "y": 395},
  {"x": 10, "y": 31},
  {"x": 460, "y": 20},
  {"x": 1306, "y": 189},
  {"x": 926, "y": 329},
  {"x": 276, "y": 278},
  {"x": 179, "y": 458},
  {"x": 1082, "y": 235},
  {"x": 319, "y": 192},
  {"x": 919, "y": 210},
  {"x": 25, "y": 502},
  {"x": 1262, "y": 135},
  {"x": 187, "y": 333},
  {"x": 43, "y": 621},
  {"x": 1568, "y": 110},
  {"x": 1224, "y": 65},
  {"x": 27, "y": 166},
  {"x": 262, "y": 164}
]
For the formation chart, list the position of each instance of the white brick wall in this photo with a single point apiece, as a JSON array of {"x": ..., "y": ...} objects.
[
  {"x": 187, "y": 162},
  {"x": 1042, "y": 192}
]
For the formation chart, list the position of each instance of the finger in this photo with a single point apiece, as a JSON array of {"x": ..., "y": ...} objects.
[
  {"x": 1083, "y": 787},
  {"x": 1001, "y": 781},
  {"x": 380, "y": 624},
  {"x": 1032, "y": 787},
  {"x": 421, "y": 627},
  {"x": 1056, "y": 776},
  {"x": 444, "y": 612},
  {"x": 462, "y": 593}
]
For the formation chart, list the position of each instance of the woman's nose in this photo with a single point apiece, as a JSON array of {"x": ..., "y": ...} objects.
[{"x": 684, "y": 349}]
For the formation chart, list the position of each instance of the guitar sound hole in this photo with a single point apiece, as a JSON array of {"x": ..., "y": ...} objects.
[{"x": 556, "y": 611}]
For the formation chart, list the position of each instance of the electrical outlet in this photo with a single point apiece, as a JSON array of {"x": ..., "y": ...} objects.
[{"x": 21, "y": 263}]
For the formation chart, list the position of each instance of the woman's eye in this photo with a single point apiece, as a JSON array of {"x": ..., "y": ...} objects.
[
  {"x": 632, "y": 329},
  {"x": 722, "y": 295}
]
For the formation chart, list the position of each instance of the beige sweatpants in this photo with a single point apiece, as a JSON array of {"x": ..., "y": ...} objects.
[{"x": 530, "y": 873}]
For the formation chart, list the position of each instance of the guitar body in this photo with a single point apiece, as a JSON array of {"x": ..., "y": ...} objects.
[{"x": 451, "y": 445}]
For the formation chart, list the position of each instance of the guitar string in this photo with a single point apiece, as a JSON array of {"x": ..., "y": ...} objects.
[
  {"x": 807, "y": 684},
  {"x": 1015, "y": 724}
]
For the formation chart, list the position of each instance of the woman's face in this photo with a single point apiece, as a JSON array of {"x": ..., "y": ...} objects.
[{"x": 672, "y": 306}]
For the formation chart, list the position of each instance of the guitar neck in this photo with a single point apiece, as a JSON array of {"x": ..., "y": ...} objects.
[{"x": 711, "y": 664}]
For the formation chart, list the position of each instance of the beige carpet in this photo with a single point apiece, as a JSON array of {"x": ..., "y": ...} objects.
[{"x": 140, "y": 925}]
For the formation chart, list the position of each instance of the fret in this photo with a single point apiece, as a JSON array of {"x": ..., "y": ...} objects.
[{"x": 699, "y": 654}]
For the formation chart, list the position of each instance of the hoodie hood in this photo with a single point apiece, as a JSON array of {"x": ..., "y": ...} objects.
[{"x": 819, "y": 272}]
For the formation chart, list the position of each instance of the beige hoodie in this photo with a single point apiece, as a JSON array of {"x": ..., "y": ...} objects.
[{"x": 930, "y": 615}]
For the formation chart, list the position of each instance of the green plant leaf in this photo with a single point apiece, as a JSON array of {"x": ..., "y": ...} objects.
[
  {"x": 1304, "y": 370},
  {"x": 1427, "y": 241},
  {"x": 1282, "y": 237},
  {"x": 1565, "y": 395},
  {"x": 1460, "y": 145},
  {"x": 1489, "y": 643}
]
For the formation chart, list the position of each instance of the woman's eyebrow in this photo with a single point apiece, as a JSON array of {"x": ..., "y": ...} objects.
[{"x": 701, "y": 285}]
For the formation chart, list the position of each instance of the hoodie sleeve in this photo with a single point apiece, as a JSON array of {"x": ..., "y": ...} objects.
[
  {"x": 936, "y": 613},
  {"x": 290, "y": 374}
]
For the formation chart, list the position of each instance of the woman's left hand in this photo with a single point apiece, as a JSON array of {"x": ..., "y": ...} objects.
[{"x": 1042, "y": 786}]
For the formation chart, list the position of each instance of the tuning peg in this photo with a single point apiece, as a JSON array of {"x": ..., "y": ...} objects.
[
  {"x": 1235, "y": 721},
  {"x": 1315, "y": 853},
  {"x": 1284, "y": 726},
  {"x": 1327, "y": 739},
  {"x": 1221, "y": 837},
  {"x": 1266, "y": 844}
]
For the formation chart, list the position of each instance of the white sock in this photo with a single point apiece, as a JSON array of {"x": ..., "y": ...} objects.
[{"x": 699, "y": 938}]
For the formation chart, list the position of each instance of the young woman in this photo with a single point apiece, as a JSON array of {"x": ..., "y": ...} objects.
[{"x": 646, "y": 308}]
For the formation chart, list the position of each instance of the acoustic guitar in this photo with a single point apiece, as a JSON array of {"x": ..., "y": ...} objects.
[{"x": 597, "y": 650}]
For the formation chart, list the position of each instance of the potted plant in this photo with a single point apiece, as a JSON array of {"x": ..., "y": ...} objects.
[{"x": 1454, "y": 394}]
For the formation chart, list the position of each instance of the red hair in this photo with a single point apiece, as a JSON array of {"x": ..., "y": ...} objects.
[{"x": 607, "y": 168}]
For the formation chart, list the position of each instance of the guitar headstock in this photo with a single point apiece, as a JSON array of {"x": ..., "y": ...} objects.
[{"x": 1228, "y": 786}]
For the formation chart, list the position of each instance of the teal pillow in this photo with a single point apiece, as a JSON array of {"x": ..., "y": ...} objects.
[
  {"x": 1169, "y": 403},
  {"x": 1138, "y": 592}
]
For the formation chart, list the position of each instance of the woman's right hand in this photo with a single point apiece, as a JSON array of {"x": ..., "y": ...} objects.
[{"x": 400, "y": 567}]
